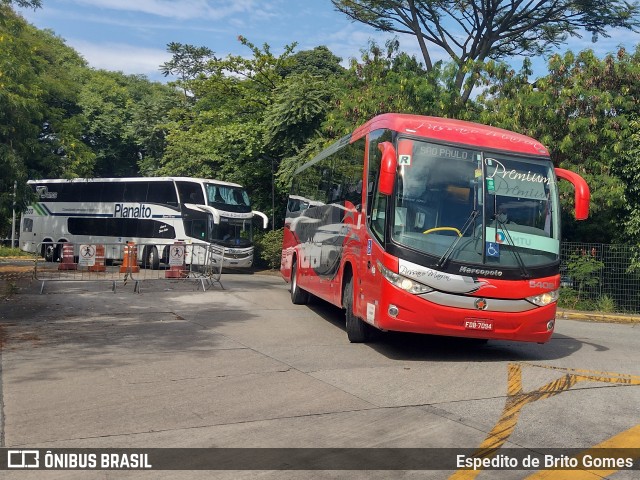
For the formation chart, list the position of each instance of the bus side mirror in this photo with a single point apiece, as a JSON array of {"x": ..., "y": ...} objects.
[
  {"x": 265, "y": 219},
  {"x": 582, "y": 194},
  {"x": 388, "y": 168}
]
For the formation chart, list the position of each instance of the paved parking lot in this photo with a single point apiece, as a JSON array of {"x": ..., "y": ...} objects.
[{"x": 173, "y": 366}]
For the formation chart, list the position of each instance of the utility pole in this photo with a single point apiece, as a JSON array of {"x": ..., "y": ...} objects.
[
  {"x": 273, "y": 191},
  {"x": 273, "y": 198},
  {"x": 13, "y": 222}
]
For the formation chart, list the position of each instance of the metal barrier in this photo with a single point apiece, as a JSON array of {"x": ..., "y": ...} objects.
[{"x": 130, "y": 262}]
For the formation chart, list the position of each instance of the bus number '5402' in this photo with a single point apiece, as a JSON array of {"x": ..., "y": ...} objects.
[{"x": 547, "y": 285}]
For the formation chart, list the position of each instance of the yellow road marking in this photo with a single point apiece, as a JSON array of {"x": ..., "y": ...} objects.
[
  {"x": 622, "y": 440},
  {"x": 517, "y": 399}
]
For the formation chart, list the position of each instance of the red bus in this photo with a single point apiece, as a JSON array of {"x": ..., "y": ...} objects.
[{"x": 430, "y": 225}]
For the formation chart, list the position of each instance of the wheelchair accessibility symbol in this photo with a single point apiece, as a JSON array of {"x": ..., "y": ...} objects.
[{"x": 492, "y": 249}]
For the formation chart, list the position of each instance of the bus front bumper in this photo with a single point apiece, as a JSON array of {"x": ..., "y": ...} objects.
[{"x": 400, "y": 311}]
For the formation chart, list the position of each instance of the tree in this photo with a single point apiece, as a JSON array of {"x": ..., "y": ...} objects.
[
  {"x": 221, "y": 132},
  {"x": 627, "y": 166},
  {"x": 22, "y": 3},
  {"x": 188, "y": 63},
  {"x": 317, "y": 62},
  {"x": 247, "y": 113},
  {"x": 383, "y": 80},
  {"x": 123, "y": 114},
  {"x": 387, "y": 80},
  {"x": 40, "y": 122},
  {"x": 474, "y": 31}
]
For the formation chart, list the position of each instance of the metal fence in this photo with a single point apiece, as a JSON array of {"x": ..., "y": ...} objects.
[
  {"x": 598, "y": 276},
  {"x": 118, "y": 262}
]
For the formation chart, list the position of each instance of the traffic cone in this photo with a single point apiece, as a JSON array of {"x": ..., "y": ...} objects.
[
  {"x": 67, "y": 258},
  {"x": 177, "y": 261},
  {"x": 130, "y": 260},
  {"x": 99, "y": 265}
]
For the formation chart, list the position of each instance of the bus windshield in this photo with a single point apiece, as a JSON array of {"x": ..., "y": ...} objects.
[
  {"x": 228, "y": 197},
  {"x": 232, "y": 232},
  {"x": 477, "y": 207}
]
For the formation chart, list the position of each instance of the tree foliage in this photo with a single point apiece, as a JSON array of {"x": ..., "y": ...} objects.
[
  {"x": 59, "y": 118},
  {"x": 38, "y": 125},
  {"x": 247, "y": 113},
  {"x": 187, "y": 63},
  {"x": 253, "y": 119},
  {"x": 124, "y": 117},
  {"x": 474, "y": 31},
  {"x": 35, "y": 4}
]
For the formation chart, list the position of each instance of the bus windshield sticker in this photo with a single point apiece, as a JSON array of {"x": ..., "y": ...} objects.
[
  {"x": 404, "y": 160},
  {"x": 526, "y": 240},
  {"x": 515, "y": 183},
  {"x": 405, "y": 152},
  {"x": 493, "y": 249}
]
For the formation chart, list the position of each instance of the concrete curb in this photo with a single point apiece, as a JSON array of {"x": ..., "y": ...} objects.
[{"x": 597, "y": 316}]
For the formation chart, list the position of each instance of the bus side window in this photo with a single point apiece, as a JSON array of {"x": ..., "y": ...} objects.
[
  {"x": 162, "y": 192},
  {"x": 136, "y": 192},
  {"x": 113, "y": 192},
  {"x": 186, "y": 189}
]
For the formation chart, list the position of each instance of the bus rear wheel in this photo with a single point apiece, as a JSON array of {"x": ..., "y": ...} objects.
[
  {"x": 298, "y": 295},
  {"x": 150, "y": 258},
  {"x": 357, "y": 330}
]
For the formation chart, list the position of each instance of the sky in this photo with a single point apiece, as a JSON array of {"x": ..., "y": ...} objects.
[{"x": 131, "y": 36}]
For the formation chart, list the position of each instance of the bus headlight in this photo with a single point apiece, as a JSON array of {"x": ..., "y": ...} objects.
[
  {"x": 406, "y": 284},
  {"x": 544, "y": 298}
]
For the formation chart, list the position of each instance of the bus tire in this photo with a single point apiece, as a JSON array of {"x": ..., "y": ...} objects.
[
  {"x": 150, "y": 258},
  {"x": 298, "y": 295},
  {"x": 357, "y": 330},
  {"x": 48, "y": 251}
]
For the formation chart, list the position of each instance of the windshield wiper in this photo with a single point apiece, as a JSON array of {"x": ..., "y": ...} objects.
[
  {"x": 447, "y": 254},
  {"x": 507, "y": 234}
]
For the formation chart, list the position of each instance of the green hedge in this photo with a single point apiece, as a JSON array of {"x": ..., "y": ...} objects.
[{"x": 268, "y": 249}]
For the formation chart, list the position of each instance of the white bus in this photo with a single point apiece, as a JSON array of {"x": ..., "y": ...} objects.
[{"x": 153, "y": 212}]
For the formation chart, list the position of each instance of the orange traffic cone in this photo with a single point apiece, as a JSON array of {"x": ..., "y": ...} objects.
[
  {"x": 99, "y": 265},
  {"x": 130, "y": 260},
  {"x": 177, "y": 261},
  {"x": 67, "y": 258}
]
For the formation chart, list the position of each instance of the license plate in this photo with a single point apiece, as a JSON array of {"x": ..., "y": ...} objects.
[{"x": 483, "y": 324}]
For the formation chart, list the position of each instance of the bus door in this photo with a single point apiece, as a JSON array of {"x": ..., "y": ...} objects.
[{"x": 368, "y": 288}]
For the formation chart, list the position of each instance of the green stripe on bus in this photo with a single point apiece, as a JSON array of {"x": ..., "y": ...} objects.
[{"x": 39, "y": 210}]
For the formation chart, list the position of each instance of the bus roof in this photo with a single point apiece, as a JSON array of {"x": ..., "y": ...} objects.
[
  {"x": 135, "y": 179},
  {"x": 454, "y": 131}
]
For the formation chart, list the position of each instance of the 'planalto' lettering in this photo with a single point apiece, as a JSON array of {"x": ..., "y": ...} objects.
[{"x": 141, "y": 211}]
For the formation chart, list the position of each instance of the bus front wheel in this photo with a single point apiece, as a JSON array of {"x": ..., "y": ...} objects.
[
  {"x": 298, "y": 295},
  {"x": 150, "y": 258},
  {"x": 357, "y": 330}
]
